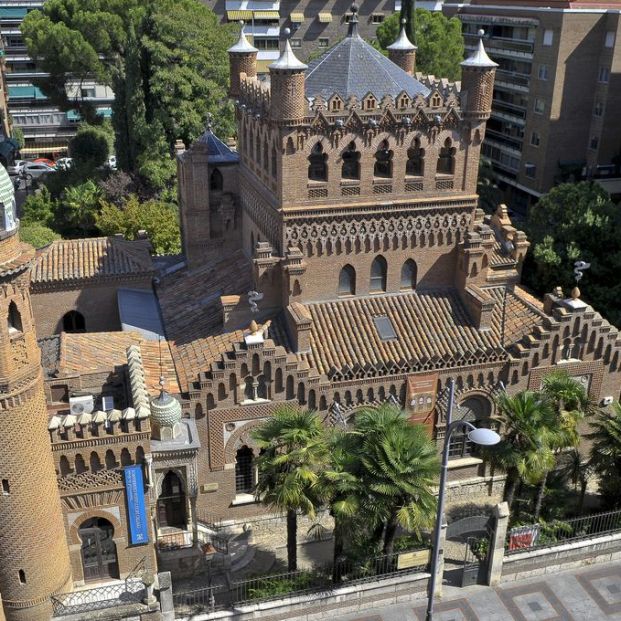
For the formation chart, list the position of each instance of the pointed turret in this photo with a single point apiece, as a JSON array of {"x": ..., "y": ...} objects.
[
  {"x": 403, "y": 52},
  {"x": 242, "y": 60},
  {"x": 477, "y": 83},
  {"x": 287, "y": 85}
]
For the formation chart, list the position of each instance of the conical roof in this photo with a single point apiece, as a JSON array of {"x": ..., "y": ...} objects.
[
  {"x": 287, "y": 59},
  {"x": 402, "y": 43},
  {"x": 353, "y": 67},
  {"x": 242, "y": 46},
  {"x": 480, "y": 58},
  {"x": 217, "y": 151}
]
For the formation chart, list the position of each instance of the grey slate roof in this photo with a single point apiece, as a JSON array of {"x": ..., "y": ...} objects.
[
  {"x": 218, "y": 152},
  {"x": 353, "y": 67}
]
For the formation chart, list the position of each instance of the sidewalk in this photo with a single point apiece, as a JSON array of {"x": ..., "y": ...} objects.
[{"x": 585, "y": 594}]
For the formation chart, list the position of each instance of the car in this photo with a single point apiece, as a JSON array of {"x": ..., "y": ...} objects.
[
  {"x": 16, "y": 168},
  {"x": 45, "y": 160},
  {"x": 34, "y": 170},
  {"x": 64, "y": 163}
]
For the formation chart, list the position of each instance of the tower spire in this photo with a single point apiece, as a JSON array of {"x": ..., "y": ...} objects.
[
  {"x": 403, "y": 52},
  {"x": 353, "y": 22}
]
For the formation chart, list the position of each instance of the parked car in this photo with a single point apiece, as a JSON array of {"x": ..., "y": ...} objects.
[
  {"x": 34, "y": 170},
  {"x": 64, "y": 163},
  {"x": 45, "y": 160},
  {"x": 16, "y": 168}
]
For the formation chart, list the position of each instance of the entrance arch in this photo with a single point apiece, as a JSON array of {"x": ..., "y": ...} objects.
[
  {"x": 171, "y": 509},
  {"x": 98, "y": 553}
]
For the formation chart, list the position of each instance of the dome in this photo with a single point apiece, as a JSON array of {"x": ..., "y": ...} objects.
[
  {"x": 353, "y": 67},
  {"x": 8, "y": 220},
  {"x": 165, "y": 410}
]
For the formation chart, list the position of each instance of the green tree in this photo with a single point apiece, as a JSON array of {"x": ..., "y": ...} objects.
[
  {"x": 571, "y": 404},
  {"x": 89, "y": 148},
  {"x": 408, "y": 14},
  {"x": 577, "y": 222},
  {"x": 293, "y": 453},
  {"x": 398, "y": 467},
  {"x": 79, "y": 206},
  {"x": 524, "y": 452},
  {"x": 606, "y": 454},
  {"x": 439, "y": 41},
  {"x": 160, "y": 220},
  {"x": 577, "y": 470},
  {"x": 37, "y": 234},
  {"x": 165, "y": 61},
  {"x": 18, "y": 136},
  {"x": 39, "y": 208}
]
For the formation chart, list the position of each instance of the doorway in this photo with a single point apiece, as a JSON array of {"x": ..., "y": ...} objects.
[
  {"x": 99, "y": 559},
  {"x": 171, "y": 509}
]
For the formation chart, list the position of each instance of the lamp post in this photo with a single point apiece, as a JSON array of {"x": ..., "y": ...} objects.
[{"x": 484, "y": 437}]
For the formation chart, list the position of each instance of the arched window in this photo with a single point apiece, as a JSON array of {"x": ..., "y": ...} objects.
[
  {"x": 244, "y": 483},
  {"x": 14, "y": 319},
  {"x": 95, "y": 462},
  {"x": 415, "y": 165},
  {"x": 73, "y": 321},
  {"x": 80, "y": 465},
  {"x": 383, "y": 161},
  {"x": 65, "y": 466},
  {"x": 347, "y": 281},
  {"x": 378, "y": 274},
  {"x": 446, "y": 159},
  {"x": 126, "y": 458},
  {"x": 408, "y": 275},
  {"x": 216, "y": 183},
  {"x": 351, "y": 162},
  {"x": 317, "y": 166},
  {"x": 110, "y": 460}
]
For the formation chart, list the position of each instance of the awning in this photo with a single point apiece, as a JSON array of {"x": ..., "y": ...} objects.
[
  {"x": 106, "y": 113},
  {"x": 73, "y": 115},
  {"x": 44, "y": 148},
  {"x": 17, "y": 12},
  {"x": 266, "y": 15},
  {"x": 263, "y": 65},
  {"x": 324, "y": 18},
  {"x": 297, "y": 18},
  {"x": 22, "y": 92},
  {"x": 235, "y": 16}
]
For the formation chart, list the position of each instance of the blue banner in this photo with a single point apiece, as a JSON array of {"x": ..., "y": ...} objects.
[{"x": 136, "y": 513}]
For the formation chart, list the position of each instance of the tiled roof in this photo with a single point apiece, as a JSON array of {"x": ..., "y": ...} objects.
[
  {"x": 217, "y": 151},
  {"x": 94, "y": 352},
  {"x": 353, "y": 67},
  {"x": 193, "y": 326},
  {"x": 98, "y": 257},
  {"x": 430, "y": 325}
]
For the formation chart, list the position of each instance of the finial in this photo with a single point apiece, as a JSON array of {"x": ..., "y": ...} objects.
[
  {"x": 254, "y": 327},
  {"x": 403, "y": 21},
  {"x": 353, "y": 22},
  {"x": 575, "y": 293},
  {"x": 286, "y": 33},
  {"x": 480, "y": 59},
  {"x": 579, "y": 267},
  {"x": 481, "y": 33},
  {"x": 209, "y": 121}
]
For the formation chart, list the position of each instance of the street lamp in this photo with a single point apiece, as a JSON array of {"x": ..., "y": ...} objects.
[{"x": 482, "y": 436}]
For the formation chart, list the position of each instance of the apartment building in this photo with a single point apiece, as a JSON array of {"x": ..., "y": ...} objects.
[
  {"x": 47, "y": 130},
  {"x": 316, "y": 25},
  {"x": 557, "y": 93}
]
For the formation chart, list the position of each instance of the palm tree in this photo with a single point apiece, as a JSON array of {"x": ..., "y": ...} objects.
[
  {"x": 524, "y": 451},
  {"x": 577, "y": 470},
  {"x": 606, "y": 453},
  {"x": 293, "y": 453},
  {"x": 399, "y": 467},
  {"x": 571, "y": 404}
]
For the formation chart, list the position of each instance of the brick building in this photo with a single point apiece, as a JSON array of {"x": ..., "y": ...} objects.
[
  {"x": 336, "y": 260},
  {"x": 557, "y": 89}
]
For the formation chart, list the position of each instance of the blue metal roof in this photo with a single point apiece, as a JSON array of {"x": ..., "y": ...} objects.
[
  {"x": 217, "y": 151},
  {"x": 140, "y": 312}
]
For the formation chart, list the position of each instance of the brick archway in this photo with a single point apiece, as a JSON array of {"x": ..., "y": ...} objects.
[{"x": 239, "y": 438}]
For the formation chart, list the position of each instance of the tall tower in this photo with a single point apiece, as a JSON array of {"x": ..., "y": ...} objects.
[{"x": 34, "y": 557}]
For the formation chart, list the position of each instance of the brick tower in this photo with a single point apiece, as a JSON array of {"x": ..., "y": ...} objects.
[{"x": 34, "y": 557}]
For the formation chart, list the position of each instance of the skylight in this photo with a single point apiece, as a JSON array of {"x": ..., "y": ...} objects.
[{"x": 384, "y": 328}]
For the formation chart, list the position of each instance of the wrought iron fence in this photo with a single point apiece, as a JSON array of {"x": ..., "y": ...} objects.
[
  {"x": 266, "y": 588},
  {"x": 108, "y": 596},
  {"x": 174, "y": 541},
  {"x": 558, "y": 532}
]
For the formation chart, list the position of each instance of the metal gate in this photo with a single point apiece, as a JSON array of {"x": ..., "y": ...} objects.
[{"x": 469, "y": 540}]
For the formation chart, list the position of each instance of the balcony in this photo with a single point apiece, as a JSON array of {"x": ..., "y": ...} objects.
[
  {"x": 509, "y": 117},
  {"x": 513, "y": 77},
  {"x": 511, "y": 142},
  {"x": 519, "y": 47},
  {"x": 509, "y": 108}
]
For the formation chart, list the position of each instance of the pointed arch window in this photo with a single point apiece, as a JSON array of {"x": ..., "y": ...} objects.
[
  {"x": 446, "y": 159},
  {"x": 415, "y": 165},
  {"x": 317, "y": 164},
  {"x": 216, "y": 183},
  {"x": 351, "y": 162},
  {"x": 378, "y": 274},
  {"x": 347, "y": 280},
  {"x": 14, "y": 319},
  {"x": 408, "y": 275},
  {"x": 383, "y": 161},
  {"x": 244, "y": 483}
]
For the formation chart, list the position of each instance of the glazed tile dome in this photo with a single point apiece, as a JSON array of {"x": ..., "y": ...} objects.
[{"x": 165, "y": 410}]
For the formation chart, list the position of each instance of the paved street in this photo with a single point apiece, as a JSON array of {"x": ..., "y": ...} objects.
[{"x": 585, "y": 594}]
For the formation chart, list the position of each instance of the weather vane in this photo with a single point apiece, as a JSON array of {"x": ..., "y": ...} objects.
[
  {"x": 579, "y": 267},
  {"x": 253, "y": 298}
]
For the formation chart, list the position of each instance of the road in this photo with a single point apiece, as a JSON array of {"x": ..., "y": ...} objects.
[{"x": 586, "y": 594}]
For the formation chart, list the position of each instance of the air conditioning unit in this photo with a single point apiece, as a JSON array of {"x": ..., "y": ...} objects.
[
  {"x": 82, "y": 404},
  {"x": 607, "y": 401},
  {"x": 107, "y": 403}
]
